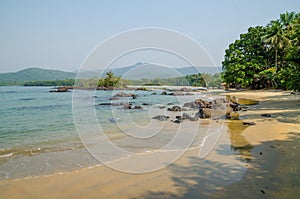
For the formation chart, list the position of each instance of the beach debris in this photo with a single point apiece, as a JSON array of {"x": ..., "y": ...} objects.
[
  {"x": 249, "y": 123},
  {"x": 266, "y": 115},
  {"x": 161, "y": 117}
]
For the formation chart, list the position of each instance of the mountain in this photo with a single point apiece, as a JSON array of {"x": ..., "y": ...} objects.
[
  {"x": 144, "y": 70},
  {"x": 137, "y": 71},
  {"x": 33, "y": 74}
]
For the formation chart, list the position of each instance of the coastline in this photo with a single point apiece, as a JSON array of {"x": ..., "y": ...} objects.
[{"x": 235, "y": 168}]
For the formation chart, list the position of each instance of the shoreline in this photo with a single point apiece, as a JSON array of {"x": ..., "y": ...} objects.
[{"x": 228, "y": 171}]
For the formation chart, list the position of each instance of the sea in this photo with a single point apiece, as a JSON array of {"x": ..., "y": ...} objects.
[{"x": 40, "y": 133}]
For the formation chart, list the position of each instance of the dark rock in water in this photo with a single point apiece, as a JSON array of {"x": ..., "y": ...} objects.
[
  {"x": 249, "y": 123},
  {"x": 175, "y": 108},
  {"x": 153, "y": 93},
  {"x": 170, "y": 103},
  {"x": 186, "y": 89},
  {"x": 164, "y": 93},
  {"x": 177, "y": 121},
  {"x": 61, "y": 90},
  {"x": 189, "y": 117},
  {"x": 114, "y": 98},
  {"x": 203, "y": 113},
  {"x": 266, "y": 115},
  {"x": 203, "y": 104},
  {"x": 111, "y": 104},
  {"x": 127, "y": 106},
  {"x": 94, "y": 96},
  {"x": 122, "y": 94},
  {"x": 192, "y": 105},
  {"x": 146, "y": 104},
  {"x": 161, "y": 117},
  {"x": 137, "y": 107}
]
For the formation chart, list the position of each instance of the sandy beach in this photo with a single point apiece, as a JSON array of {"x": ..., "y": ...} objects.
[{"x": 257, "y": 161}]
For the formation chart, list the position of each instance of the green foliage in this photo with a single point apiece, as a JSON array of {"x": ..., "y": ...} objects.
[
  {"x": 66, "y": 82},
  {"x": 265, "y": 57},
  {"x": 110, "y": 81},
  {"x": 188, "y": 80}
]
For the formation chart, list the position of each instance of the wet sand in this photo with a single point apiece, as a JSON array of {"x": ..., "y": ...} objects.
[{"x": 260, "y": 161}]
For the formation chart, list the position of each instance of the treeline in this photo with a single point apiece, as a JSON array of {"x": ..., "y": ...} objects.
[
  {"x": 112, "y": 81},
  {"x": 266, "y": 56},
  {"x": 66, "y": 82},
  {"x": 203, "y": 80}
]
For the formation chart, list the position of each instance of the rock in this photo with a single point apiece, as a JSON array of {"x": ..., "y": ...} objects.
[
  {"x": 153, "y": 93},
  {"x": 122, "y": 94},
  {"x": 177, "y": 121},
  {"x": 234, "y": 115},
  {"x": 127, "y": 106},
  {"x": 146, "y": 104},
  {"x": 249, "y": 123},
  {"x": 188, "y": 116},
  {"x": 161, "y": 117},
  {"x": 62, "y": 89},
  {"x": 203, "y": 104},
  {"x": 186, "y": 89},
  {"x": 192, "y": 105},
  {"x": 164, "y": 93},
  {"x": 170, "y": 103},
  {"x": 111, "y": 104},
  {"x": 114, "y": 98},
  {"x": 175, "y": 108},
  {"x": 138, "y": 107},
  {"x": 203, "y": 113},
  {"x": 266, "y": 115}
]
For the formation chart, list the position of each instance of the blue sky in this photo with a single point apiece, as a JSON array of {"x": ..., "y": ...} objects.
[{"x": 59, "y": 34}]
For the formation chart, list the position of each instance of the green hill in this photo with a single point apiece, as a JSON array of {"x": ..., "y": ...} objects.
[{"x": 33, "y": 74}]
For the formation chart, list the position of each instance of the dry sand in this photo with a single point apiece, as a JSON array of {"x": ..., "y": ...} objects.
[{"x": 260, "y": 161}]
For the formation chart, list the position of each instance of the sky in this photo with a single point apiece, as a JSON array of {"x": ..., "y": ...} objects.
[{"x": 60, "y": 34}]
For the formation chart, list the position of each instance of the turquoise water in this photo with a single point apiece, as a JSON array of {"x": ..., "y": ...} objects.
[{"x": 38, "y": 134}]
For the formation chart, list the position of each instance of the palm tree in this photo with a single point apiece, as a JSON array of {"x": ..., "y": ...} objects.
[
  {"x": 286, "y": 19},
  {"x": 275, "y": 38}
]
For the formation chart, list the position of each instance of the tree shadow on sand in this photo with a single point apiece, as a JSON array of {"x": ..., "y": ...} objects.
[{"x": 263, "y": 179}]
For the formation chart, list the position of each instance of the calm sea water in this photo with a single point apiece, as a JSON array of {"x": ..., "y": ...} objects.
[{"x": 38, "y": 134}]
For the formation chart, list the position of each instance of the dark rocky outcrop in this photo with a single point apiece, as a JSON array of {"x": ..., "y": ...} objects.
[
  {"x": 203, "y": 113},
  {"x": 266, "y": 115},
  {"x": 122, "y": 94},
  {"x": 161, "y": 117},
  {"x": 249, "y": 123},
  {"x": 164, "y": 93},
  {"x": 176, "y": 108},
  {"x": 62, "y": 89}
]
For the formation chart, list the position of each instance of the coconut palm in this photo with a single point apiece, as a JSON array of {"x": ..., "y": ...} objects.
[{"x": 276, "y": 38}]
